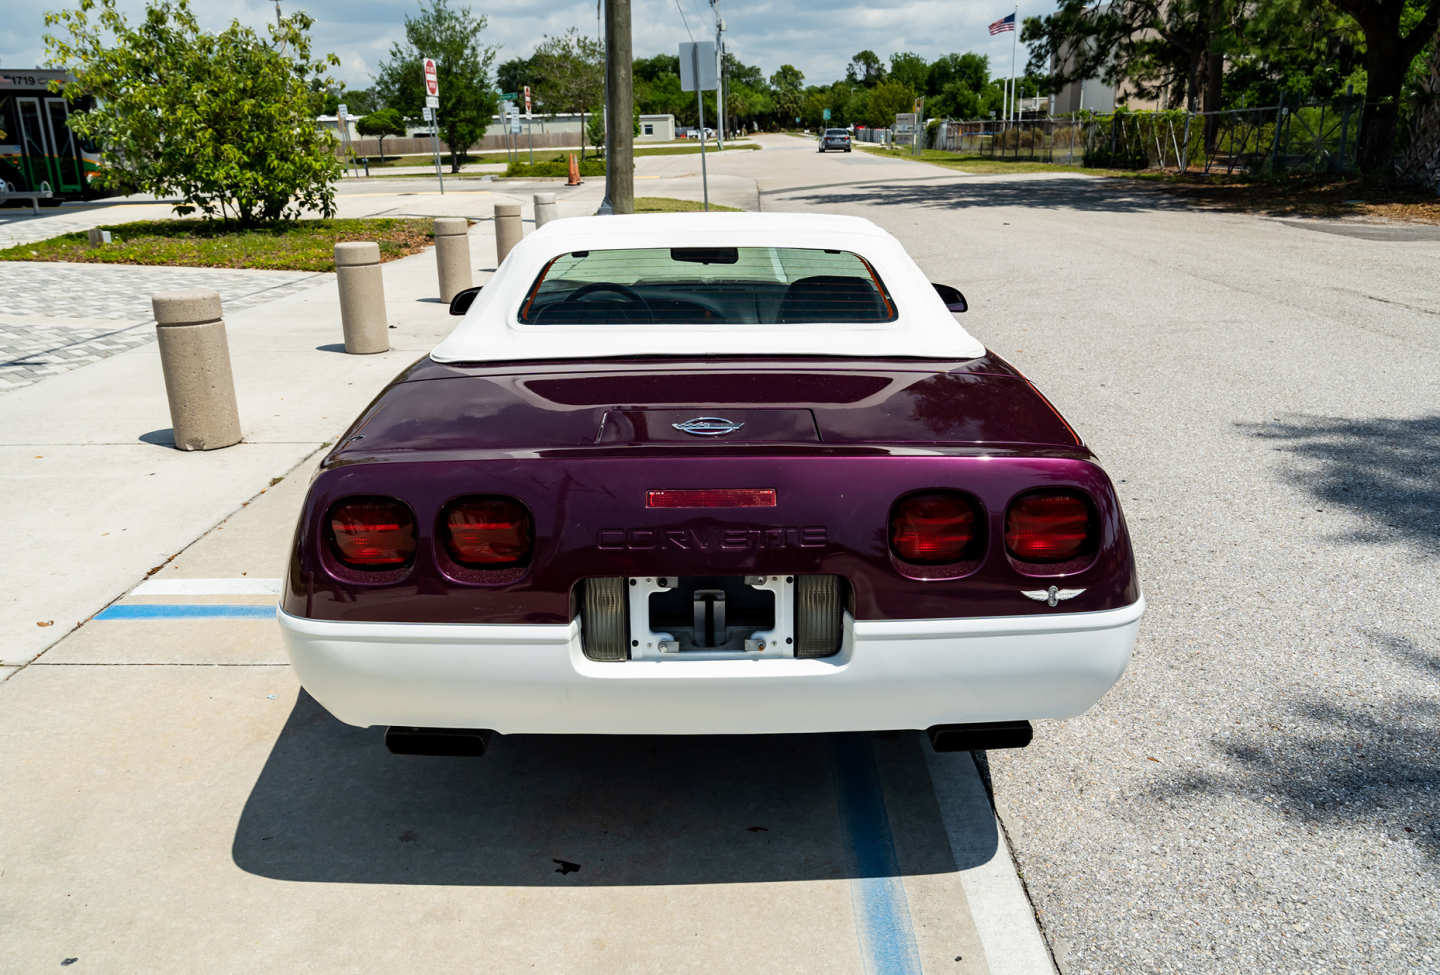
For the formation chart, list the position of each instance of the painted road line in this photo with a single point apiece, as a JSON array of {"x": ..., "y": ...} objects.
[
  {"x": 999, "y": 906},
  {"x": 190, "y": 611},
  {"x": 242, "y": 586},
  {"x": 877, "y": 894}
]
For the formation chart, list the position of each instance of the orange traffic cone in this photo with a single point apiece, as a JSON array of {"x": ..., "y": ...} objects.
[{"x": 574, "y": 172}]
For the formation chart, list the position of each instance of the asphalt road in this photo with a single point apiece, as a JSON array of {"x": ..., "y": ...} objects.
[{"x": 1261, "y": 793}]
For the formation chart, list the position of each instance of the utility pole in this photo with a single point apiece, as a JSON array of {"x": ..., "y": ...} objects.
[
  {"x": 719, "y": 78},
  {"x": 619, "y": 110}
]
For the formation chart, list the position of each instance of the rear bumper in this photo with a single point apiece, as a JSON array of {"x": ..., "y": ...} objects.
[{"x": 534, "y": 679}]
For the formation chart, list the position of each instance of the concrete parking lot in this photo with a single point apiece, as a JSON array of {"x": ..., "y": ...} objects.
[{"x": 1258, "y": 794}]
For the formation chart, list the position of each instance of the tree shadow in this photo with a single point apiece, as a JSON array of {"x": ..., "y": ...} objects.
[
  {"x": 1374, "y": 765},
  {"x": 1090, "y": 195},
  {"x": 332, "y": 805},
  {"x": 1387, "y": 471}
]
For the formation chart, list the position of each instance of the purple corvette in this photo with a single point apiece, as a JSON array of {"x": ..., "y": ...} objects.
[{"x": 737, "y": 474}]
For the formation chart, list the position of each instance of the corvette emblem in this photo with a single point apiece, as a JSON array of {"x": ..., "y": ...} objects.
[
  {"x": 708, "y": 426},
  {"x": 1051, "y": 596}
]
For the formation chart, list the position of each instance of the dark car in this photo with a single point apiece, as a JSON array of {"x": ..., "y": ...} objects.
[{"x": 732, "y": 475}]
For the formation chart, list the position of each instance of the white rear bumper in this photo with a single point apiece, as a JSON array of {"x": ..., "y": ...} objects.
[{"x": 534, "y": 679}]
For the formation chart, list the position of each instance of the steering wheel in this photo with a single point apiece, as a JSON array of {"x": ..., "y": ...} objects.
[{"x": 623, "y": 290}]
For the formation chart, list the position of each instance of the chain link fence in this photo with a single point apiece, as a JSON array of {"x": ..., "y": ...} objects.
[{"x": 1319, "y": 137}]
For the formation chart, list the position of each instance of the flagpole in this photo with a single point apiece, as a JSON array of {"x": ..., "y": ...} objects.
[{"x": 1014, "y": 36}]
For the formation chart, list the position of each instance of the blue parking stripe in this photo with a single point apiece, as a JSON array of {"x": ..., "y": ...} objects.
[
  {"x": 877, "y": 895},
  {"x": 185, "y": 611}
]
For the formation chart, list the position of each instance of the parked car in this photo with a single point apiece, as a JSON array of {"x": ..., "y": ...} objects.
[
  {"x": 835, "y": 139},
  {"x": 734, "y": 475}
]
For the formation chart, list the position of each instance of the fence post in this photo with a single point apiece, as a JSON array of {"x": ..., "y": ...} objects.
[
  {"x": 195, "y": 359},
  {"x": 1275, "y": 139}
]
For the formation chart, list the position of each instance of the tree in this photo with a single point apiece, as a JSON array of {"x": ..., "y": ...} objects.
[
  {"x": 225, "y": 121},
  {"x": 514, "y": 75},
  {"x": 357, "y": 101},
  {"x": 467, "y": 99},
  {"x": 1395, "y": 34},
  {"x": 866, "y": 69},
  {"x": 888, "y": 99},
  {"x": 1419, "y": 163},
  {"x": 385, "y": 122},
  {"x": 970, "y": 69},
  {"x": 957, "y": 100},
  {"x": 570, "y": 72},
  {"x": 909, "y": 68},
  {"x": 789, "y": 95}
]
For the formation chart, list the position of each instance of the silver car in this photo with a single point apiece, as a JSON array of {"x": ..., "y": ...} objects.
[{"x": 835, "y": 139}]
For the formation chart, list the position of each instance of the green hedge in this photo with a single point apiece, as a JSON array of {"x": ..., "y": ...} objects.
[{"x": 556, "y": 166}]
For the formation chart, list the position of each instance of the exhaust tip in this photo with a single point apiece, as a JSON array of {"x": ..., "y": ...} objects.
[
  {"x": 454, "y": 742},
  {"x": 980, "y": 737}
]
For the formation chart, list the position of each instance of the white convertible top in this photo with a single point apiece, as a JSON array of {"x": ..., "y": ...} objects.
[{"x": 491, "y": 330}]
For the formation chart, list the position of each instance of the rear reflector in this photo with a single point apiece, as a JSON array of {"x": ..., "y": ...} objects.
[
  {"x": 604, "y": 634},
  {"x": 1049, "y": 526},
  {"x": 372, "y": 533},
  {"x": 488, "y": 533},
  {"x": 712, "y": 498},
  {"x": 934, "y": 528},
  {"x": 819, "y": 616}
]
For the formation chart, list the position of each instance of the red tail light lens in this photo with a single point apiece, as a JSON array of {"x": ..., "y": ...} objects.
[
  {"x": 372, "y": 533},
  {"x": 488, "y": 532},
  {"x": 934, "y": 528},
  {"x": 1049, "y": 526}
]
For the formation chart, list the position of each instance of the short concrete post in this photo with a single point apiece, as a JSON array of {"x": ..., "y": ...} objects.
[
  {"x": 195, "y": 359},
  {"x": 508, "y": 229},
  {"x": 362, "y": 297},
  {"x": 546, "y": 209},
  {"x": 452, "y": 255}
]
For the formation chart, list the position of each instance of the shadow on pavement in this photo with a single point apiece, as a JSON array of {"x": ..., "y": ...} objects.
[
  {"x": 158, "y": 438},
  {"x": 1371, "y": 765},
  {"x": 331, "y": 347},
  {"x": 1113, "y": 195},
  {"x": 1386, "y": 471},
  {"x": 332, "y": 805}
]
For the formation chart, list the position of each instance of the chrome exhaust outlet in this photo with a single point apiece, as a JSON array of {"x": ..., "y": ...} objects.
[
  {"x": 438, "y": 741},
  {"x": 980, "y": 737}
]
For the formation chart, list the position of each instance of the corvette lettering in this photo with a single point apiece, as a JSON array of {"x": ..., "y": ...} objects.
[{"x": 711, "y": 539}]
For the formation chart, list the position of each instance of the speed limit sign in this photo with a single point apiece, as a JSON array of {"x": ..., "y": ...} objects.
[{"x": 432, "y": 77}]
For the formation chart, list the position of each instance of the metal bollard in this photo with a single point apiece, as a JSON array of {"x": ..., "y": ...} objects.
[
  {"x": 362, "y": 297},
  {"x": 546, "y": 209},
  {"x": 452, "y": 255},
  {"x": 195, "y": 358},
  {"x": 508, "y": 229}
]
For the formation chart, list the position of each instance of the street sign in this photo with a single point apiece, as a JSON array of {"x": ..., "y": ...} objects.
[
  {"x": 507, "y": 108},
  {"x": 697, "y": 66},
  {"x": 514, "y": 124},
  {"x": 920, "y": 106},
  {"x": 527, "y": 101},
  {"x": 432, "y": 101},
  {"x": 508, "y": 96},
  {"x": 427, "y": 113},
  {"x": 432, "y": 77},
  {"x": 905, "y": 123},
  {"x": 825, "y": 115},
  {"x": 340, "y": 112}
]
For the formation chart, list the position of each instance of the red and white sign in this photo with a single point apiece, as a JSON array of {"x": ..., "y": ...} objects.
[
  {"x": 432, "y": 77},
  {"x": 527, "y": 99}
]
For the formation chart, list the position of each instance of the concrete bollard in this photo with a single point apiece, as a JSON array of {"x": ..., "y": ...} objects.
[
  {"x": 508, "y": 229},
  {"x": 546, "y": 209},
  {"x": 362, "y": 297},
  {"x": 452, "y": 255},
  {"x": 195, "y": 358}
]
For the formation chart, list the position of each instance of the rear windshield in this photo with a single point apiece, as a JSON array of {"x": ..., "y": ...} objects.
[
  {"x": 707, "y": 286},
  {"x": 837, "y": 131}
]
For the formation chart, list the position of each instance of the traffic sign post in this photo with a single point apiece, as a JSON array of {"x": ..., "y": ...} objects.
[
  {"x": 432, "y": 112},
  {"x": 697, "y": 74}
]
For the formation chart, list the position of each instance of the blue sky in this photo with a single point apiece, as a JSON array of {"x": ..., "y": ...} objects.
[{"x": 817, "y": 36}]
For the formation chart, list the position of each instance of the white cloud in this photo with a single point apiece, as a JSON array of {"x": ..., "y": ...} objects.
[{"x": 819, "y": 37}]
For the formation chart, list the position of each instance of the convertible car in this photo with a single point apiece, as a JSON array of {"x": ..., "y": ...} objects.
[{"x": 735, "y": 474}]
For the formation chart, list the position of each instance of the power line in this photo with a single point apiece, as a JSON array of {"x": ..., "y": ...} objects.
[{"x": 684, "y": 20}]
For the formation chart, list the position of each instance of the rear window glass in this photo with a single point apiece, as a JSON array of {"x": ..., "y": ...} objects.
[
  {"x": 707, "y": 286},
  {"x": 837, "y": 131}
]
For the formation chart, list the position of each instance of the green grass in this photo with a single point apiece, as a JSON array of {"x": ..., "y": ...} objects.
[
  {"x": 668, "y": 204},
  {"x": 985, "y": 164},
  {"x": 558, "y": 165},
  {"x": 677, "y": 148},
  {"x": 305, "y": 245},
  {"x": 693, "y": 147}
]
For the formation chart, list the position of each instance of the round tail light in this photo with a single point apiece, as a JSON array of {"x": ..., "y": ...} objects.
[
  {"x": 488, "y": 533},
  {"x": 372, "y": 533},
  {"x": 934, "y": 528},
  {"x": 1049, "y": 526}
]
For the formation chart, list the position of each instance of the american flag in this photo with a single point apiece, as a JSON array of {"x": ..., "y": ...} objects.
[{"x": 1002, "y": 25}]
